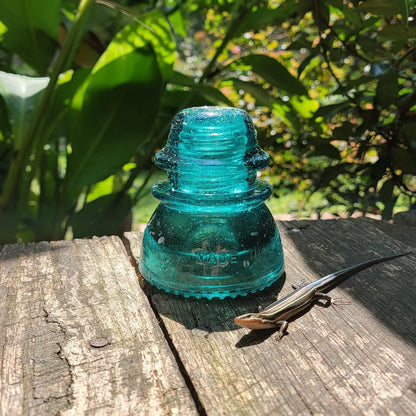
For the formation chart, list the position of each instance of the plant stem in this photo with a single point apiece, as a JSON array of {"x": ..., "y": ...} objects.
[{"x": 68, "y": 49}]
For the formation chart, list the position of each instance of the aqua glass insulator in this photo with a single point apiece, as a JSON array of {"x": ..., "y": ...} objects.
[{"x": 211, "y": 236}]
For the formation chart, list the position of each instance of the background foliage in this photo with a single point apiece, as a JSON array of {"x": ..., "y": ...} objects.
[{"x": 88, "y": 91}]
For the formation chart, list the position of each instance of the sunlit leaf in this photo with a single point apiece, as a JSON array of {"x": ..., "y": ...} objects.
[
  {"x": 178, "y": 22},
  {"x": 21, "y": 94},
  {"x": 152, "y": 29},
  {"x": 286, "y": 112},
  {"x": 275, "y": 74},
  {"x": 101, "y": 188},
  {"x": 305, "y": 106},
  {"x": 112, "y": 114}
]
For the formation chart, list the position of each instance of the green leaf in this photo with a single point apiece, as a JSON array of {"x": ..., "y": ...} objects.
[
  {"x": 305, "y": 106},
  {"x": 387, "y": 89},
  {"x": 386, "y": 8},
  {"x": 407, "y": 133},
  {"x": 172, "y": 99},
  {"x": 397, "y": 32},
  {"x": 207, "y": 91},
  {"x": 275, "y": 74},
  {"x": 305, "y": 63},
  {"x": 387, "y": 198},
  {"x": 153, "y": 29},
  {"x": 262, "y": 17},
  {"x": 111, "y": 115},
  {"x": 322, "y": 147},
  {"x": 263, "y": 98},
  {"x": 354, "y": 84},
  {"x": 32, "y": 30},
  {"x": 5, "y": 127},
  {"x": 285, "y": 111},
  {"x": 404, "y": 160},
  {"x": 344, "y": 131},
  {"x": 372, "y": 48},
  {"x": 103, "y": 216},
  {"x": 21, "y": 94},
  {"x": 329, "y": 111},
  {"x": 331, "y": 172},
  {"x": 102, "y": 188},
  {"x": 178, "y": 22}
]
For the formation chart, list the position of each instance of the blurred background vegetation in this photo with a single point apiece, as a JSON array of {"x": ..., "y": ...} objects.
[{"x": 88, "y": 90}]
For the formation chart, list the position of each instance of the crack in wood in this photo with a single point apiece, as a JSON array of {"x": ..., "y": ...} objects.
[
  {"x": 194, "y": 393},
  {"x": 60, "y": 353}
]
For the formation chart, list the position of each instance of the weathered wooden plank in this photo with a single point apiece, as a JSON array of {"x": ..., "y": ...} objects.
[
  {"x": 59, "y": 300},
  {"x": 358, "y": 359},
  {"x": 404, "y": 233}
]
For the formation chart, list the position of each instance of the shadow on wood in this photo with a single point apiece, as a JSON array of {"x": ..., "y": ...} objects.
[
  {"x": 387, "y": 290},
  {"x": 213, "y": 315}
]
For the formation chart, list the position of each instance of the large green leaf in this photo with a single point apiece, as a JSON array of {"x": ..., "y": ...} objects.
[
  {"x": 112, "y": 114},
  {"x": 21, "y": 94},
  {"x": 31, "y": 30},
  {"x": 275, "y": 73},
  {"x": 152, "y": 29}
]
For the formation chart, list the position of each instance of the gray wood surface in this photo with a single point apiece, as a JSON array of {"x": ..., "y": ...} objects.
[
  {"x": 359, "y": 359},
  {"x": 78, "y": 336}
]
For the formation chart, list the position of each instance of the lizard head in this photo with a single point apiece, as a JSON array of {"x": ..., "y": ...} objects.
[{"x": 254, "y": 321}]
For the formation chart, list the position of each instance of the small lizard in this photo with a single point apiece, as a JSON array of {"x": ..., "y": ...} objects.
[{"x": 277, "y": 314}]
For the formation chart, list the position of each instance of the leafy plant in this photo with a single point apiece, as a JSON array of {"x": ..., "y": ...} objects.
[
  {"x": 88, "y": 91},
  {"x": 331, "y": 84}
]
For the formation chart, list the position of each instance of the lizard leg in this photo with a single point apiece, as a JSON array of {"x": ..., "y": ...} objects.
[
  {"x": 282, "y": 329},
  {"x": 324, "y": 296},
  {"x": 298, "y": 284},
  {"x": 330, "y": 300}
]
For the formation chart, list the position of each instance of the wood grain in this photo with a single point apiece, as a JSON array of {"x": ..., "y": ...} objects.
[
  {"x": 359, "y": 359},
  {"x": 56, "y": 301}
]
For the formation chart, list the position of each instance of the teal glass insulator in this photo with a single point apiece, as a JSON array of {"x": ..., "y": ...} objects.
[{"x": 211, "y": 236}]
